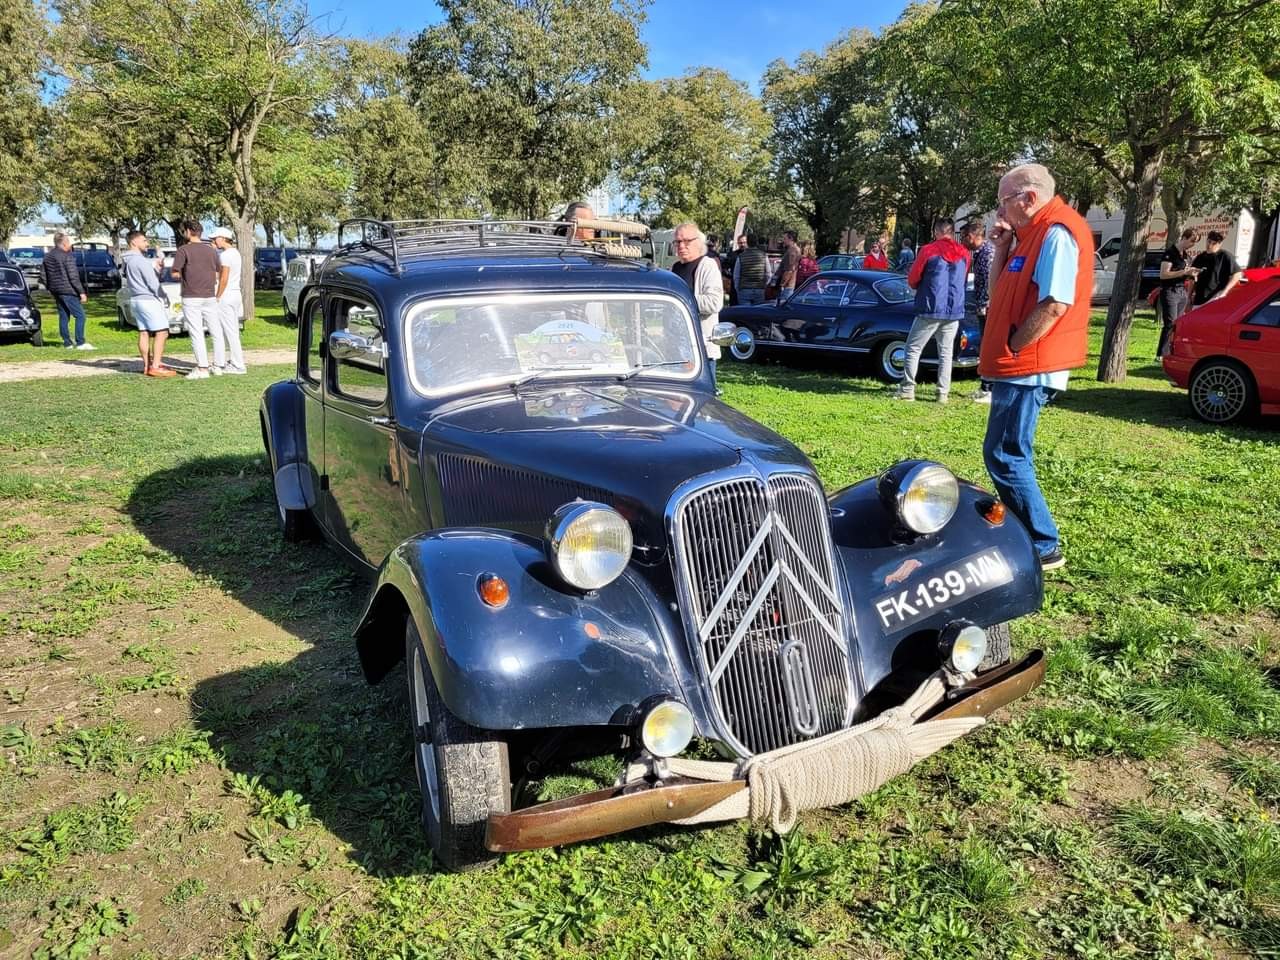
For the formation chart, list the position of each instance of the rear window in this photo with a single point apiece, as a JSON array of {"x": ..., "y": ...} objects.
[
  {"x": 95, "y": 258},
  {"x": 26, "y": 255},
  {"x": 894, "y": 289}
]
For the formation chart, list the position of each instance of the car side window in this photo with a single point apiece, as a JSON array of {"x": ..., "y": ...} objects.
[
  {"x": 822, "y": 292},
  {"x": 312, "y": 331},
  {"x": 862, "y": 295},
  {"x": 1267, "y": 316},
  {"x": 361, "y": 378}
]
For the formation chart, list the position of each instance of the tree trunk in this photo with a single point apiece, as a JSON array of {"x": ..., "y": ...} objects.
[
  {"x": 176, "y": 227},
  {"x": 1140, "y": 196}
]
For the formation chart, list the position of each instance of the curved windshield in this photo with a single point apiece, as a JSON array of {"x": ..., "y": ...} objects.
[
  {"x": 455, "y": 344},
  {"x": 894, "y": 289},
  {"x": 11, "y": 279}
]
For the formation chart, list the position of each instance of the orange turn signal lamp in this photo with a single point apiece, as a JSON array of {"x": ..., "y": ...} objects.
[
  {"x": 994, "y": 513},
  {"x": 494, "y": 590}
]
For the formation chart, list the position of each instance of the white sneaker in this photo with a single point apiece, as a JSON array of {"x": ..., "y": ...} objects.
[
  {"x": 217, "y": 371},
  {"x": 197, "y": 374},
  {"x": 982, "y": 396},
  {"x": 85, "y": 346},
  {"x": 902, "y": 395},
  {"x": 238, "y": 371}
]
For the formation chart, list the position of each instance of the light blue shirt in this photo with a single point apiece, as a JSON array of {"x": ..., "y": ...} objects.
[{"x": 1055, "y": 276}]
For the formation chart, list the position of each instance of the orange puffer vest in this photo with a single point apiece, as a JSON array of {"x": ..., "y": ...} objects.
[{"x": 1015, "y": 295}]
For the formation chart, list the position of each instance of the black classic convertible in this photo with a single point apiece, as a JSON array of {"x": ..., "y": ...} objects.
[
  {"x": 860, "y": 313},
  {"x": 579, "y": 549}
]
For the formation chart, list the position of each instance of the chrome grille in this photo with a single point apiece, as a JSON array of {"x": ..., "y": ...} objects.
[{"x": 756, "y": 566}]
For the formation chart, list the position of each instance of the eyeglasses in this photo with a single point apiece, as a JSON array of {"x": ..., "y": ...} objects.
[
  {"x": 679, "y": 241},
  {"x": 1009, "y": 198}
]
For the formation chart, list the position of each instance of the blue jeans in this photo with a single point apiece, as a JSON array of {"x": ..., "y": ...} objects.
[
  {"x": 1011, "y": 430},
  {"x": 750, "y": 296},
  {"x": 69, "y": 306},
  {"x": 711, "y": 362}
]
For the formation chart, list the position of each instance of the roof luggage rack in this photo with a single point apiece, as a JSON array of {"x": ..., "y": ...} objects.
[{"x": 395, "y": 239}]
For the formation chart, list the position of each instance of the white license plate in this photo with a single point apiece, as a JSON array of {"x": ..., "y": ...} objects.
[{"x": 938, "y": 589}]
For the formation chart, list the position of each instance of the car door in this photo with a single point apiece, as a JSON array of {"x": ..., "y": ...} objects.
[
  {"x": 1255, "y": 342},
  {"x": 857, "y": 314},
  {"x": 364, "y": 473},
  {"x": 311, "y": 333},
  {"x": 812, "y": 316}
]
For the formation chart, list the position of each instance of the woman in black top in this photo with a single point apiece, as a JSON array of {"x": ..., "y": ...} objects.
[{"x": 1174, "y": 273}]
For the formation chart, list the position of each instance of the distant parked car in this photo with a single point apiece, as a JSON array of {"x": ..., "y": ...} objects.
[
  {"x": 1103, "y": 280},
  {"x": 98, "y": 270},
  {"x": 1226, "y": 354},
  {"x": 173, "y": 293},
  {"x": 861, "y": 313},
  {"x": 841, "y": 261},
  {"x": 28, "y": 260},
  {"x": 18, "y": 312},
  {"x": 269, "y": 264},
  {"x": 296, "y": 276}
]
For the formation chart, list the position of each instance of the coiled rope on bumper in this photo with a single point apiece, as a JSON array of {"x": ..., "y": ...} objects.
[{"x": 827, "y": 771}]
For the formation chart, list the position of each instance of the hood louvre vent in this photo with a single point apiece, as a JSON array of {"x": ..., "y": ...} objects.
[{"x": 478, "y": 493}]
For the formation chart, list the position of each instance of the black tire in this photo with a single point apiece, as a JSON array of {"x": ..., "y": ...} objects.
[
  {"x": 464, "y": 774},
  {"x": 890, "y": 360},
  {"x": 122, "y": 318},
  {"x": 37, "y": 337},
  {"x": 999, "y": 647},
  {"x": 1222, "y": 391}
]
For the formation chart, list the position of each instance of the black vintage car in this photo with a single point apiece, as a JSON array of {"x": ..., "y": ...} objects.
[
  {"x": 269, "y": 265},
  {"x": 97, "y": 268},
  {"x": 579, "y": 553},
  {"x": 28, "y": 260},
  {"x": 19, "y": 315},
  {"x": 864, "y": 314}
]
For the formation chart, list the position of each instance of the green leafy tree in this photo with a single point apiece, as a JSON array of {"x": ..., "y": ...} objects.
[
  {"x": 821, "y": 161},
  {"x": 531, "y": 93},
  {"x": 218, "y": 75},
  {"x": 397, "y": 169},
  {"x": 23, "y": 45},
  {"x": 304, "y": 181},
  {"x": 1126, "y": 83},
  {"x": 700, "y": 151}
]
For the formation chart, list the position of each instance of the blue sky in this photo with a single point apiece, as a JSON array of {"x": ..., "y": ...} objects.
[{"x": 741, "y": 38}]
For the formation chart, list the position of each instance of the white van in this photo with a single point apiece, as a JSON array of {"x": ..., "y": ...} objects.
[{"x": 1237, "y": 231}]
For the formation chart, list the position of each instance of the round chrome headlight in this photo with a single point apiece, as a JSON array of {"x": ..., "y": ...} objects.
[
  {"x": 25, "y": 313},
  {"x": 589, "y": 543},
  {"x": 924, "y": 495},
  {"x": 666, "y": 728}
]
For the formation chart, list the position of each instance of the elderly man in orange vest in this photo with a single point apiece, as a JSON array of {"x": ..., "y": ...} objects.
[{"x": 1036, "y": 332}]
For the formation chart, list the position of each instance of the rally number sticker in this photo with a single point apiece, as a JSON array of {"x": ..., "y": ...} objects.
[{"x": 942, "y": 588}]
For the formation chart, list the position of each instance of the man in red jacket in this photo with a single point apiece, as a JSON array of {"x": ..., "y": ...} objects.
[{"x": 1036, "y": 332}]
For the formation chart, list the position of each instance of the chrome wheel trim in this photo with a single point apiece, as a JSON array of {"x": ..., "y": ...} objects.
[
  {"x": 428, "y": 777},
  {"x": 893, "y": 358},
  {"x": 743, "y": 345},
  {"x": 1219, "y": 393}
]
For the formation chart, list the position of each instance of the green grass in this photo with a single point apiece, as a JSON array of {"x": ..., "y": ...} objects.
[
  {"x": 193, "y": 765},
  {"x": 111, "y": 338}
]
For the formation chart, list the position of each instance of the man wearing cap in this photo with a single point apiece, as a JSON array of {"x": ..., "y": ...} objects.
[
  {"x": 225, "y": 330},
  {"x": 196, "y": 265}
]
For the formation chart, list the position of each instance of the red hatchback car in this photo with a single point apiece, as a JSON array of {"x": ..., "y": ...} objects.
[{"x": 1227, "y": 353}]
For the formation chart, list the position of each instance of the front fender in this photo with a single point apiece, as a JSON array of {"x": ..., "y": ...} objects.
[
  {"x": 284, "y": 435},
  {"x": 880, "y": 562},
  {"x": 550, "y": 657}
]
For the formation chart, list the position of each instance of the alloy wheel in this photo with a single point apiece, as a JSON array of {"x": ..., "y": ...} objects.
[{"x": 1219, "y": 393}]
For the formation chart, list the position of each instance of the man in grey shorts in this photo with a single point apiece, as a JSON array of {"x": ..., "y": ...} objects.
[{"x": 147, "y": 302}]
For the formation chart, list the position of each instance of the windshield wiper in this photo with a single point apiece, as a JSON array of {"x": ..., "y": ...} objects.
[
  {"x": 642, "y": 367},
  {"x": 536, "y": 374}
]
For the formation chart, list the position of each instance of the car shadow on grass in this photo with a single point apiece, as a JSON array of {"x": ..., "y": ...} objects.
[
  {"x": 817, "y": 375},
  {"x": 301, "y": 722}
]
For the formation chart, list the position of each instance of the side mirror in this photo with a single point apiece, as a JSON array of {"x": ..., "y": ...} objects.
[
  {"x": 350, "y": 346},
  {"x": 722, "y": 334}
]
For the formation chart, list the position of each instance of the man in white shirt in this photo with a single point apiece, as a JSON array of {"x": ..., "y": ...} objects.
[{"x": 228, "y": 357}]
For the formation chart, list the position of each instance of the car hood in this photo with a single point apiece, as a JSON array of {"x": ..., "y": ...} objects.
[
  {"x": 632, "y": 446},
  {"x": 12, "y": 298}
]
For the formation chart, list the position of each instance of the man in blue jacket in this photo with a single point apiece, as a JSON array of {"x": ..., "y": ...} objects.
[{"x": 938, "y": 277}]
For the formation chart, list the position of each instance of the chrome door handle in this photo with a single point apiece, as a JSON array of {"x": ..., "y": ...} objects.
[{"x": 382, "y": 421}]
